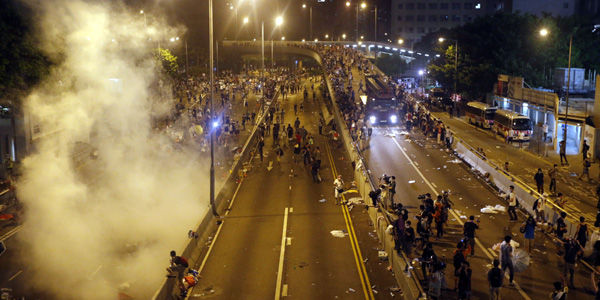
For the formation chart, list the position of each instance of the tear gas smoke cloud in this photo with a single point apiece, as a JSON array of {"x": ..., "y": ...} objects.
[{"x": 94, "y": 225}]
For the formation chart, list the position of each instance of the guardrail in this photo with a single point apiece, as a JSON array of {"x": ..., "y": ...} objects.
[
  {"x": 194, "y": 248},
  {"x": 404, "y": 274}
]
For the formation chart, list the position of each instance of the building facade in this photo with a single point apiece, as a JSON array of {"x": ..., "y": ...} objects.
[{"x": 412, "y": 19}]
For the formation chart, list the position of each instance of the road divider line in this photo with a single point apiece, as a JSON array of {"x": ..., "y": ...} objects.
[
  {"x": 477, "y": 241},
  {"x": 281, "y": 256},
  {"x": 362, "y": 273},
  {"x": 15, "y": 276},
  {"x": 10, "y": 233}
]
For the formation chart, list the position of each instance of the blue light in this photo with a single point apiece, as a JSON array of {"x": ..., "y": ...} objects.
[
  {"x": 372, "y": 119},
  {"x": 215, "y": 124},
  {"x": 394, "y": 119}
]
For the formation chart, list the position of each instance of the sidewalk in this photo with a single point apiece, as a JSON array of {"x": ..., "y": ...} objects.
[{"x": 580, "y": 195}]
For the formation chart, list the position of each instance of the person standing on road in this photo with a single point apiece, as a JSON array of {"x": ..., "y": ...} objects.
[
  {"x": 529, "y": 232},
  {"x": 512, "y": 204},
  {"x": 506, "y": 252},
  {"x": 392, "y": 188},
  {"x": 582, "y": 233},
  {"x": 572, "y": 251},
  {"x": 469, "y": 232},
  {"x": 584, "y": 149},
  {"x": 338, "y": 185},
  {"x": 261, "y": 145},
  {"x": 539, "y": 180},
  {"x": 563, "y": 153},
  {"x": 464, "y": 281},
  {"x": 552, "y": 173},
  {"x": 495, "y": 277}
]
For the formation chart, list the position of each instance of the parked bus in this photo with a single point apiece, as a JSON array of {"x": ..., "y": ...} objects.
[
  {"x": 511, "y": 125},
  {"x": 480, "y": 114}
]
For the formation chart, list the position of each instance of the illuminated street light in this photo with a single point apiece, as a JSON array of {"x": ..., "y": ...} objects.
[
  {"x": 303, "y": 40},
  {"x": 348, "y": 3},
  {"x": 141, "y": 12},
  {"x": 303, "y": 5},
  {"x": 327, "y": 36},
  {"x": 344, "y": 36},
  {"x": 283, "y": 38},
  {"x": 441, "y": 40},
  {"x": 278, "y": 21},
  {"x": 421, "y": 72},
  {"x": 400, "y": 41},
  {"x": 544, "y": 32},
  {"x": 362, "y": 37},
  {"x": 246, "y": 20},
  {"x": 363, "y": 5},
  {"x": 316, "y": 40}
]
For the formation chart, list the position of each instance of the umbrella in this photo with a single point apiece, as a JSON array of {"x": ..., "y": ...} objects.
[{"x": 520, "y": 260}]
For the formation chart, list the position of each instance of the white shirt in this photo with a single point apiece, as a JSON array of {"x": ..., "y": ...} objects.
[
  {"x": 512, "y": 199},
  {"x": 338, "y": 183}
]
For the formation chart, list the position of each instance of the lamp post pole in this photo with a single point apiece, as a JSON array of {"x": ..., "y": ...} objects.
[
  {"x": 212, "y": 111},
  {"x": 455, "y": 65},
  {"x": 568, "y": 88},
  {"x": 310, "y": 13},
  {"x": 356, "y": 30},
  {"x": 375, "y": 23},
  {"x": 262, "y": 43}
]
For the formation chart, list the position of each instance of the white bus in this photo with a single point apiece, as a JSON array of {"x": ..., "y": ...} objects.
[
  {"x": 480, "y": 114},
  {"x": 511, "y": 125}
]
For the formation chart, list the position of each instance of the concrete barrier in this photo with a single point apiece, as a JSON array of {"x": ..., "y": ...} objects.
[{"x": 407, "y": 280}]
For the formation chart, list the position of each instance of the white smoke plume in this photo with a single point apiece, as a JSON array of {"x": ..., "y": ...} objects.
[{"x": 95, "y": 223}]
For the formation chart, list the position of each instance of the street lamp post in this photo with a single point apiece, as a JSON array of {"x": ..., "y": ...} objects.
[
  {"x": 375, "y": 24},
  {"x": 543, "y": 33},
  {"x": 212, "y": 111},
  {"x": 441, "y": 40},
  {"x": 310, "y": 18}
]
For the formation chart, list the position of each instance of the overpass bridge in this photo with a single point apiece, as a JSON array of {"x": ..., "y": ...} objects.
[{"x": 304, "y": 48}]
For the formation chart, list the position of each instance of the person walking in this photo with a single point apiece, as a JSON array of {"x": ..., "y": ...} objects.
[
  {"x": 528, "y": 229},
  {"x": 552, "y": 173},
  {"x": 563, "y": 153},
  {"x": 512, "y": 204},
  {"x": 572, "y": 251},
  {"x": 495, "y": 277},
  {"x": 464, "y": 281},
  {"x": 506, "y": 255},
  {"x": 585, "y": 169},
  {"x": 539, "y": 180},
  {"x": 338, "y": 185},
  {"x": 392, "y": 188}
]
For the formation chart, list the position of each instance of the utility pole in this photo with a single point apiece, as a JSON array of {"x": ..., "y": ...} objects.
[{"x": 212, "y": 111}]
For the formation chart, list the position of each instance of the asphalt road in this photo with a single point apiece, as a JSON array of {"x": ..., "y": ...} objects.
[
  {"x": 247, "y": 255},
  {"x": 581, "y": 200},
  {"x": 423, "y": 166}
]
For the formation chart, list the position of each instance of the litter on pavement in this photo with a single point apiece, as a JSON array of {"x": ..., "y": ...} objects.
[
  {"x": 411, "y": 181},
  {"x": 455, "y": 161},
  {"x": 322, "y": 200},
  {"x": 488, "y": 209},
  {"x": 338, "y": 233}
]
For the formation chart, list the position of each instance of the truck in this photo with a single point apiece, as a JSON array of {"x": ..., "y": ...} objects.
[{"x": 382, "y": 103}]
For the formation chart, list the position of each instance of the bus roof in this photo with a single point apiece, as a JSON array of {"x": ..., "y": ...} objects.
[
  {"x": 510, "y": 114},
  {"x": 480, "y": 105}
]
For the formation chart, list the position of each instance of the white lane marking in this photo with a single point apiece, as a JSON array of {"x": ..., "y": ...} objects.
[
  {"x": 525, "y": 296},
  {"x": 416, "y": 163},
  {"x": 434, "y": 185},
  {"x": 284, "y": 291},
  {"x": 288, "y": 241},
  {"x": 10, "y": 233},
  {"x": 15, "y": 276},
  {"x": 281, "y": 255}
]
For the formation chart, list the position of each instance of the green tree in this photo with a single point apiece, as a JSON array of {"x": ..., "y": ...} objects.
[{"x": 168, "y": 61}]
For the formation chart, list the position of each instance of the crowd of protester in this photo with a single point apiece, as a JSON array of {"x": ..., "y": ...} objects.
[{"x": 432, "y": 217}]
